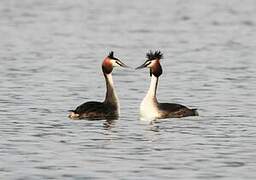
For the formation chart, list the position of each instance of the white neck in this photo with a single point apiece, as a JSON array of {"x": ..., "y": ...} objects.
[
  {"x": 148, "y": 106},
  {"x": 153, "y": 87},
  {"x": 111, "y": 96}
]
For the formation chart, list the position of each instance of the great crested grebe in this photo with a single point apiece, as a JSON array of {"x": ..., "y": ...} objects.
[
  {"x": 150, "y": 108},
  {"x": 109, "y": 108}
]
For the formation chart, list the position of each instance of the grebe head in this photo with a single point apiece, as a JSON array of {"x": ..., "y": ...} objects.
[
  {"x": 110, "y": 62},
  {"x": 153, "y": 63}
]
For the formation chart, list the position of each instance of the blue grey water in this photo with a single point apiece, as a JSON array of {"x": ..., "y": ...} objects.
[{"x": 50, "y": 62}]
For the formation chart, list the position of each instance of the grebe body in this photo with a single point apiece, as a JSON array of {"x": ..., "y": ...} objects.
[
  {"x": 150, "y": 108},
  {"x": 109, "y": 108}
]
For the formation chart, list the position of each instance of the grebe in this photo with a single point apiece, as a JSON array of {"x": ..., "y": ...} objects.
[
  {"x": 109, "y": 108},
  {"x": 150, "y": 108}
]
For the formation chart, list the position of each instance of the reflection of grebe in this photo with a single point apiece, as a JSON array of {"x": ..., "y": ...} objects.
[
  {"x": 149, "y": 107},
  {"x": 110, "y": 107}
]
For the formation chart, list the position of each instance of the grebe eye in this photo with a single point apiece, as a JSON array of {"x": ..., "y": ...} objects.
[
  {"x": 147, "y": 63},
  {"x": 118, "y": 63}
]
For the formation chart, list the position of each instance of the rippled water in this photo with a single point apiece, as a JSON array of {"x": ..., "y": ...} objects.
[{"x": 50, "y": 56}]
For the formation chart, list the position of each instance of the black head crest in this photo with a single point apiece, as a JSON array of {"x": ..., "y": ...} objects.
[
  {"x": 154, "y": 55},
  {"x": 111, "y": 55}
]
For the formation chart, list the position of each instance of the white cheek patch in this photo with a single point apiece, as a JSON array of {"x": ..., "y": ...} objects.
[
  {"x": 114, "y": 64},
  {"x": 152, "y": 63}
]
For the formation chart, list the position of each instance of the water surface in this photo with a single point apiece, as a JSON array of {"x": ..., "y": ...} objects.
[{"x": 50, "y": 55}]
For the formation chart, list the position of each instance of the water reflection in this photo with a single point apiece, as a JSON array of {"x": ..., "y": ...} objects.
[{"x": 109, "y": 123}]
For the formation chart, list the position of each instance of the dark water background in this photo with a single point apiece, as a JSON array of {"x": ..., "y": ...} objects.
[{"x": 50, "y": 57}]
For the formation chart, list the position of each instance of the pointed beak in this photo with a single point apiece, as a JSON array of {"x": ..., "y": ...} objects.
[
  {"x": 142, "y": 66},
  {"x": 121, "y": 64}
]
